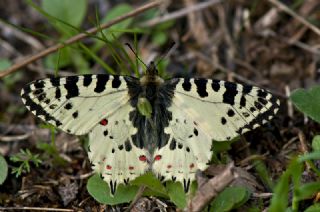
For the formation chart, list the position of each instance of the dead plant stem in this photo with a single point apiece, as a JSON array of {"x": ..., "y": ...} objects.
[{"x": 76, "y": 38}]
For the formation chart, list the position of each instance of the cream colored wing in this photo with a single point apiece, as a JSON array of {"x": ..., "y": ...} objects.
[{"x": 77, "y": 103}]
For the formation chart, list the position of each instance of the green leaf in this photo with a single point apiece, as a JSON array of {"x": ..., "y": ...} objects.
[
  {"x": 116, "y": 29},
  {"x": 162, "y": 68},
  {"x": 11, "y": 80},
  {"x": 4, "y": 64},
  {"x": 219, "y": 146},
  {"x": 313, "y": 208},
  {"x": 150, "y": 14},
  {"x": 230, "y": 198},
  {"x": 307, "y": 190},
  {"x": 82, "y": 65},
  {"x": 70, "y": 11},
  {"x": 263, "y": 173},
  {"x": 176, "y": 194},
  {"x": 219, "y": 149},
  {"x": 3, "y": 169},
  {"x": 100, "y": 191},
  {"x": 279, "y": 201},
  {"x": 159, "y": 38},
  {"x": 310, "y": 156},
  {"x": 316, "y": 143},
  {"x": 308, "y": 101},
  {"x": 97, "y": 59},
  {"x": 165, "y": 25},
  {"x": 151, "y": 182},
  {"x": 159, "y": 32},
  {"x": 59, "y": 59},
  {"x": 51, "y": 151}
]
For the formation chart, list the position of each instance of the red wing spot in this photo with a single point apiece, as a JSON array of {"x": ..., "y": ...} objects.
[
  {"x": 131, "y": 167},
  {"x": 109, "y": 167},
  {"x": 191, "y": 166},
  {"x": 169, "y": 166},
  {"x": 142, "y": 158},
  {"x": 104, "y": 122},
  {"x": 157, "y": 157}
]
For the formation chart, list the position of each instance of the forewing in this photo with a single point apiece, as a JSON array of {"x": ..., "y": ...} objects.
[
  {"x": 223, "y": 109},
  {"x": 77, "y": 103}
]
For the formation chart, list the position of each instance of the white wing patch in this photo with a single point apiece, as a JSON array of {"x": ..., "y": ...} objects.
[
  {"x": 188, "y": 149},
  {"x": 112, "y": 151},
  {"x": 205, "y": 110},
  {"x": 76, "y": 104},
  {"x": 224, "y": 109}
]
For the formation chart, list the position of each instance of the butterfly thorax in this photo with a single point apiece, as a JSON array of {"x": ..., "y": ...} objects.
[
  {"x": 151, "y": 77},
  {"x": 158, "y": 93}
]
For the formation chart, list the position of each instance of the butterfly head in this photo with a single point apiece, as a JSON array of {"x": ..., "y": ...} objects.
[
  {"x": 152, "y": 69},
  {"x": 151, "y": 76}
]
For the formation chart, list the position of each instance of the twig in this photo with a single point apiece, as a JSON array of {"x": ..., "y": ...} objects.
[
  {"x": 81, "y": 177},
  {"x": 78, "y": 37},
  {"x": 211, "y": 189},
  {"x": 267, "y": 20},
  {"x": 180, "y": 13},
  {"x": 251, "y": 158},
  {"x": 35, "y": 209},
  {"x": 226, "y": 34},
  {"x": 299, "y": 44},
  {"x": 286, "y": 9},
  {"x": 262, "y": 195},
  {"x": 8, "y": 48},
  {"x": 289, "y": 104},
  {"x": 22, "y": 35},
  {"x": 244, "y": 64},
  {"x": 196, "y": 24},
  {"x": 14, "y": 137},
  {"x": 136, "y": 198},
  {"x": 303, "y": 142},
  {"x": 286, "y": 146}
]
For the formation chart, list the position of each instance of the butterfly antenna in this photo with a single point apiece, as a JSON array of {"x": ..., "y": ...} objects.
[
  {"x": 135, "y": 53},
  {"x": 167, "y": 53}
]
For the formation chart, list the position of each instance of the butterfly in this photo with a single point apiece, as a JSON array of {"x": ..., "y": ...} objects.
[{"x": 173, "y": 142}]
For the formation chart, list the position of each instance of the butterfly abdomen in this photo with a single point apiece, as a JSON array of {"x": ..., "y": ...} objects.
[{"x": 150, "y": 134}]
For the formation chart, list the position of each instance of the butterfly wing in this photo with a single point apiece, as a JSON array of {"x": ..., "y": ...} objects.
[
  {"x": 188, "y": 149},
  {"x": 95, "y": 104},
  {"x": 76, "y": 104},
  {"x": 225, "y": 109},
  {"x": 113, "y": 152},
  {"x": 205, "y": 110}
]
